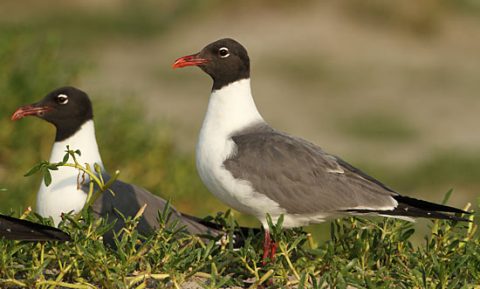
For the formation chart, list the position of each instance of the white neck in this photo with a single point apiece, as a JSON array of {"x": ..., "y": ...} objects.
[
  {"x": 63, "y": 194},
  {"x": 231, "y": 108},
  {"x": 83, "y": 140}
]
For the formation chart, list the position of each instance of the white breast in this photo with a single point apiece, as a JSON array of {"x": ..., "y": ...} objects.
[
  {"x": 230, "y": 109},
  {"x": 63, "y": 194}
]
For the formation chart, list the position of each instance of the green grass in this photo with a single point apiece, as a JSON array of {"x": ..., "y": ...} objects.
[{"x": 361, "y": 253}]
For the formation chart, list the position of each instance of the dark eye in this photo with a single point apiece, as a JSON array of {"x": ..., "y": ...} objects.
[
  {"x": 62, "y": 99},
  {"x": 223, "y": 52}
]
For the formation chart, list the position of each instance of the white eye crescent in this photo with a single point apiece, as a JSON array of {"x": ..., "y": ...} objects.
[
  {"x": 224, "y": 52},
  {"x": 62, "y": 98}
]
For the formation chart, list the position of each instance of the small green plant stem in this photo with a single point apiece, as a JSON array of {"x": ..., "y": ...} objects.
[
  {"x": 98, "y": 180},
  {"x": 102, "y": 189},
  {"x": 175, "y": 284},
  {"x": 13, "y": 282},
  {"x": 84, "y": 170},
  {"x": 264, "y": 278},
  {"x": 284, "y": 251},
  {"x": 311, "y": 242},
  {"x": 42, "y": 253},
  {"x": 254, "y": 271},
  {"x": 61, "y": 274},
  {"x": 203, "y": 275},
  {"x": 136, "y": 279},
  {"x": 65, "y": 284}
]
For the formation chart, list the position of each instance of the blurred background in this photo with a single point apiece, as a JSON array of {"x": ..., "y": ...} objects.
[{"x": 391, "y": 86}]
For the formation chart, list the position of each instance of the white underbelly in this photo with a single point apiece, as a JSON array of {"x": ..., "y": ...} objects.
[
  {"x": 62, "y": 196},
  {"x": 236, "y": 193}
]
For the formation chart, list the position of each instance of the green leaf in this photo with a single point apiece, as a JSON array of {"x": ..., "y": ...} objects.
[
  {"x": 33, "y": 170},
  {"x": 279, "y": 222},
  {"x": 97, "y": 168},
  {"x": 47, "y": 178},
  {"x": 447, "y": 196},
  {"x": 301, "y": 283},
  {"x": 65, "y": 158}
]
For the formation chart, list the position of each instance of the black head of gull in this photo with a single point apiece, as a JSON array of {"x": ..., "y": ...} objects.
[
  {"x": 225, "y": 60},
  {"x": 259, "y": 170},
  {"x": 70, "y": 110},
  {"x": 67, "y": 108}
]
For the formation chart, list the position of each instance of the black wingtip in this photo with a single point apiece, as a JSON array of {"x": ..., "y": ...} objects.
[
  {"x": 410, "y": 212},
  {"x": 428, "y": 206},
  {"x": 23, "y": 230},
  {"x": 415, "y": 208}
]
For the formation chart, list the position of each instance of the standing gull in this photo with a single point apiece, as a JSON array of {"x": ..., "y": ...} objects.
[
  {"x": 70, "y": 111},
  {"x": 259, "y": 170}
]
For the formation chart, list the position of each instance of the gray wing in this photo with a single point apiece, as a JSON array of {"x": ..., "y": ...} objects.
[
  {"x": 301, "y": 177},
  {"x": 128, "y": 199}
]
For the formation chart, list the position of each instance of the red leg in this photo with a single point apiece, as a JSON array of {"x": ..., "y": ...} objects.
[
  {"x": 267, "y": 243},
  {"x": 273, "y": 250},
  {"x": 269, "y": 248}
]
